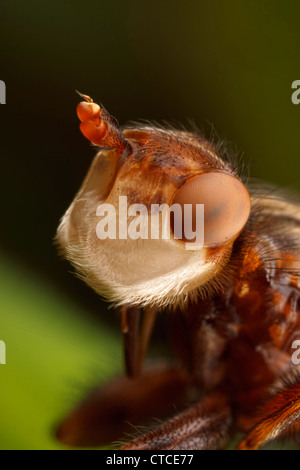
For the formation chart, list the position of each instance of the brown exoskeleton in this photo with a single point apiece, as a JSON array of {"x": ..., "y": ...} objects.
[{"x": 232, "y": 301}]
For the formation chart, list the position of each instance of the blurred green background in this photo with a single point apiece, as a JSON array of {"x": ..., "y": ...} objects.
[{"x": 229, "y": 64}]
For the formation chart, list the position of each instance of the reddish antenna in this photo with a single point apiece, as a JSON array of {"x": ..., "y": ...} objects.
[{"x": 98, "y": 126}]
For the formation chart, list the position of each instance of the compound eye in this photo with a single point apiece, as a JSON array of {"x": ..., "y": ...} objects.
[{"x": 226, "y": 206}]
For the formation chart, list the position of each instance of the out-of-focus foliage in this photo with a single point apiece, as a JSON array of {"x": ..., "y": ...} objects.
[{"x": 53, "y": 356}]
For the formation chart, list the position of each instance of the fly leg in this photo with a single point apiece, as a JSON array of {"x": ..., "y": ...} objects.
[
  {"x": 204, "y": 425},
  {"x": 117, "y": 408},
  {"x": 278, "y": 417}
]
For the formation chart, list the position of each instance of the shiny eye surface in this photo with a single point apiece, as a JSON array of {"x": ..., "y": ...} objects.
[{"x": 226, "y": 205}]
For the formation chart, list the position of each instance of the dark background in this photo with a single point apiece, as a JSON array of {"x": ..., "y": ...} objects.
[{"x": 229, "y": 64}]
